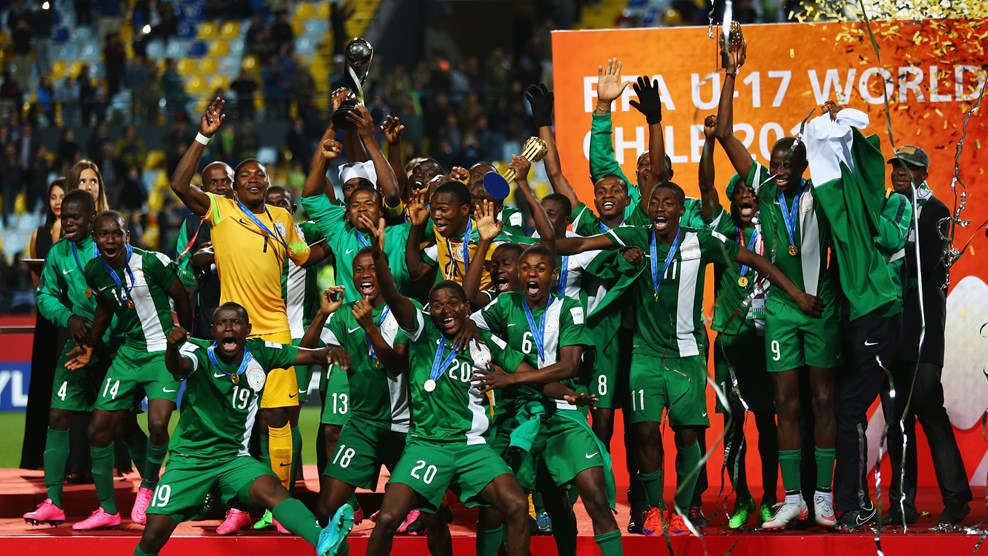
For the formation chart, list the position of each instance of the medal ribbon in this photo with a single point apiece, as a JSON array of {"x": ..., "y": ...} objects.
[
  {"x": 75, "y": 254},
  {"x": 538, "y": 334},
  {"x": 124, "y": 290},
  {"x": 440, "y": 363},
  {"x": 789, "y": 214},
  {"x": 384, "y": 315},
  {"x": 751, "y": 246},
  {"x": 259, "y": 224},
  {"x": 466, "y": 250},
  {"x": 656, "y": 277},
  {"x": 561, "y": 289},
  {"x": 211, "y": 352},
  {"x": 360, "y": 238}
]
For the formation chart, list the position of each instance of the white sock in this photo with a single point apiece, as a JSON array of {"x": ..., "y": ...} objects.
[
  {"x": 828, "y": 496},
  {"x": 796, "y": 499}
]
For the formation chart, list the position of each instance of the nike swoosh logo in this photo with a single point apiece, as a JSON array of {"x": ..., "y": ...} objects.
[
  {"x": 348, "y": 251},
  {"x": 295, "y": 395},
  {"x": 352, "y": 330},
  {"x": 510, "y": 324},
  {"x": 704, "y": 413},
  {"x": 869, "y": 344},
  {"x": 220, "y": 375},
  {"x": 67, "y": 271},
  {"x": 284, "y": 464},
  {"x": 170, "y": 391},
  {"x": 589, "y": 456}
]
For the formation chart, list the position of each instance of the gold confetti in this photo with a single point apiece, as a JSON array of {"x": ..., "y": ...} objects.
[{"x": 792, "y": 53}]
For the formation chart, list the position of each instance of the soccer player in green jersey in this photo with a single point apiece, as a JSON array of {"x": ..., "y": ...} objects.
[
  {"x": 224, "y": 380},
  {"x": 375, "y": 433},
  {"x": 65, "y": 299},
  {"x": 668, "y": 369},
  {"x": 447, "y": 440},
  {"x": 739, "y": 320},
  {"x": 137, "y": 288},
  {"x": 796, "y": 232}
]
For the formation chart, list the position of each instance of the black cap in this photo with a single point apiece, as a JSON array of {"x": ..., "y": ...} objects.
[{"x": 912, "y": 156}]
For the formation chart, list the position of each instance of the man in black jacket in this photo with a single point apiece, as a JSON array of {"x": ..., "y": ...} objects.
[{"x": 922, "y": 364}]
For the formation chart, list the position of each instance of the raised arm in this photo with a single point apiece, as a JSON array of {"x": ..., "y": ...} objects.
[
  {"x": 386, "y": 182},
  {"x": 318, "y": 252},
  {"x": 609, "y": 87},
  {"x": 541, "y": 99},
  {"x": 565, "y": 368},
  {"x": 391, "y": 358},
  {"x": 179, "y": 367},
  {"x": 323, "y": 356},
  {"x": 650, "y": 105},
  {"x": 488, "y": 228},
  {"x": 547, "y": 235},
  {"x": 315, "y": 182},
  {"x": 418, "y": 215},
  {"x": 736, "y": 151},
  {"x": 183, "y": 307},
  {"x": 193, "y": 197},
  {"x": 329, "y": 303},
  {"x": 809, "y": 304},
  {"x": 576, "y": 245},
  {"x": 709, "y": 198},
  {"x": 402, "y": 307},
  {"x": 392, "y": 129}
]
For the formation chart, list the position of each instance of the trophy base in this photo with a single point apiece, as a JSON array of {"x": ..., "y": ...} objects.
[
  {"x": 496, "y": 185},
  {"x": 340, "y": 120}
]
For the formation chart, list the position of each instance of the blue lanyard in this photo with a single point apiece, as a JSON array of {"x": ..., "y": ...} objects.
[
  {"x": 466, "y": 250},
  {"x": 538, "y": 334},
  {"x": 656, "y": 277},
  {"x": 384, "y": 315},
  {"x": 603, "y": 227},
  {"x": 211, "y": 352},
  {"x": 124, "y": 290},
  {"x": 751, "y": 246},
  {"x": 440, "y": 363},
  {"x": 261, "y": 225},
  {"x": 360, "y": 238},
  {"x": 75, "y": 254},
  {"x": 789, "y": 214},
  {"x": 562, "y": 276}
]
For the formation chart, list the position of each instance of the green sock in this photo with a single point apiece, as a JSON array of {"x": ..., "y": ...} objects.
[
  {"x": 139, "y": 552},
  {"x": 537, "y": 502},
  {"x": 296, "y": 457},
  {"x": 56, "y": 454},
  {"x": 653, "y": 488},
  {"x": 265, "y": 456},
  {"x": 489, "y": 541},
  {"x": 352, "y": 500},
  {"x": 687, "y": 460},
  {"x": 298, "y": 519},
  {"x": 564, "y": 532},
  {"x": 156, "y": 454},
  {"x": 609, "y": 543},
  {"x": 137, "y": 449},
  {"x": 103, "y": 477},
  {"x": 789, "y": 466},
  {"x": 824, "y": 468}
]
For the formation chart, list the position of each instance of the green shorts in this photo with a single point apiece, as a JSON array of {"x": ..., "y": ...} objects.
[
  {"x": 675, "y": 384},
  {"x": 361, "y": 451},
  {"x": 133, "y": 375},
  {"x": 746, "y": 354},
  {"x": 336, "y": 403},
  {"x": 604, "y": 379},
  {"x": 429, "y": 468},
  {"x": 76, "y": 390},
  {"x": 183, "y": 487},
  {"x": 793, "y": 339}
]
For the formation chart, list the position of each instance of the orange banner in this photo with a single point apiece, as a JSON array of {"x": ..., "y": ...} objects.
[{"x": 932, "y": 72}]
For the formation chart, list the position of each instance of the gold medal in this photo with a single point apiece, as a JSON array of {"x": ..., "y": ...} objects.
[
  {"x": 235, "y": 379},
  {"x": 743, "y": 281},
  {"x": 89, "y": 292},
  {"x": 130, "y": 303},
  {"x": 793, "y": 250},
  {"x": 656, "y": 296}
]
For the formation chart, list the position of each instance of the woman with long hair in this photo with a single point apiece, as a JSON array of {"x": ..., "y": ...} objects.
[
  {"x": 47, "y": 343},
  {"x": 85, "y": 175}
]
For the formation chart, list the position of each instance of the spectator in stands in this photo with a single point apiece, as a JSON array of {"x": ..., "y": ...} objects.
[
  {"x": 19, "y": 26},
  {"x": 133, "y": 192},
  {"x": 67, "y": 152},
  {"x": 99, "y": 136},
  {"x": 46, "y": 101},
  {"x": 173, "y": 90},
  {"x": 303, "y": 87},
  {"x": 275, "y": 91},
  {"x": 109, "y": 17},
  {"x": 12, "y": 174},
  {"x": 168, "y": 27},
  {"x": 114, "y": 63},
  {"x": 67, "y": 96},
  {"x": 113, "y": 169},
  {"x": 131, "y": 148},
  {"x": 83, "y": 10},
  {"x": 10, "y": 91},
  {"x": 253, "y": 31},
  {"x": 281, "y": 31},
  {"x": 245, "y": 86},
  {"x": 247, "y": 142},
  {"x": 138, "y": 77},
  {"x": 339, "y": 12},
  {"x": 42, "y": 25},
  {"x": 38, "y": 175},
  {"x": 297, "y": 142},
  {"x": 88, "y": 96}
]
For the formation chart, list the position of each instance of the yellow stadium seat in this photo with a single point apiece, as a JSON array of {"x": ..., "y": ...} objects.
[
  {"x": 57, "y": 70},
  {"x": 298, "y": 27},
  {"x": 196, "y": 85},
  {"x": 219, "y": 48},
  {"x": 321, "y": 10},
  {"x": 304, "y": 11},
  {"x": 74, "y": 68},
  {"x": 208, "y": 66},
  {"x": 155, "y": 159},
  {"x": 207, "y": 30},
  {"x": 250, "y": 63},
  {"x": 218, "y": 82},
  {"x": 186, "y": 66},
  {"x": 230, "y": 30}
]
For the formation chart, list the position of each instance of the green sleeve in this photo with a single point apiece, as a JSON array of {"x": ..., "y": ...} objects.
[
  {"x": 602, "y": 159},
  {"x": 693, "y": 217},
  {"x": 328, "y": 218},
  {"x": 312, "y": 232},
  {"x": 629, "y": 236},
  {"x": 50, "y": 291},
  {"x": 572, "y": 325},
  {"x": 722, "y": 223},
  {"x": 502, "y": 355},
  {"x": 893, "y": 226},
  {"x": 272, "y": 355},
  {"x": 756, "y": 175},
  {"x": 493, "y": 314},
  {"x": 716, "y": 248}
]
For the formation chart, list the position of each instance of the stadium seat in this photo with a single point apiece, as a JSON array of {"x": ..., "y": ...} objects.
[
  {"x": 198, "y": 49},
  {"x": 304, "y": 10},
  {"x": 218, "y": 82},
  {"x": 315, "y": 27},
  {"x": 237, "y": 47},
  {"x": 208, "y": 65},
  {"x": 186, "y": 66},
  {"x": 219, "y": 48},
  {"x": 250, "y": 63},
  {"x": 207, "y": 30},
  {"x": 156, "y": 50},
  {"x": 196, "y": 85},
  {"x": 186, "y": 30},
  {"x": 230, "y": 30},
  {"x": 177, "y": 49},
  {"x": 305, "y": 46},
  {"x": 61, "y": 35},
  {"x": 298, "y": 27},
  {"x": 321, "y": 10},
  {"x": 57, "y": 70}
]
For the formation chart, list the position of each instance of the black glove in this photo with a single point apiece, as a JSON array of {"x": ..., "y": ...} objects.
[
  {"x": 648, "y": 100},
  {"x": 540, "y": 98}
]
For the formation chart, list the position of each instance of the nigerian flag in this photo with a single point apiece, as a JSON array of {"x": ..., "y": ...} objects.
[{"x": 848, "y": 173}]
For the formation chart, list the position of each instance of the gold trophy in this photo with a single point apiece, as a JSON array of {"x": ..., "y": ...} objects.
[
  {"x": 533, "y": 150},
  {"x": 733, "y": 40}
]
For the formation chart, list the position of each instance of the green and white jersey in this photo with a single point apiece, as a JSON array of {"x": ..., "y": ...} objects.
[
  {"x": 345, "y": 241},
  {"x": 455, "y": 411},
  {"x": 808, "y": 269},
  {"x": 62, "y": 291},
  {"x": 514, "y": 223},
  {"x": 564, "y": 326},
  {"x": 587, "y": 223},
  {"x": 381, "y": 395},
  {"x": 144, "y": 282},
  {"x": 670, "y": 321},
  {"x": 299, "y": 286},
  {"x": 217, "y": 415},
  {"x": 574, "y": 282},
  {"x": 728, "y": 292}
]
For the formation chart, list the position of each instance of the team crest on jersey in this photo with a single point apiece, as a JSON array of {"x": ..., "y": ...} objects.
[
  {"x": 280, "y": 227},
  {"x": 298, "y": 230},
  {"x": 690, "y": 251},
  {"x": 805, "y": 203},
  {"x": 272, "y": 345},
  {"x": 255, "y": 376}
]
